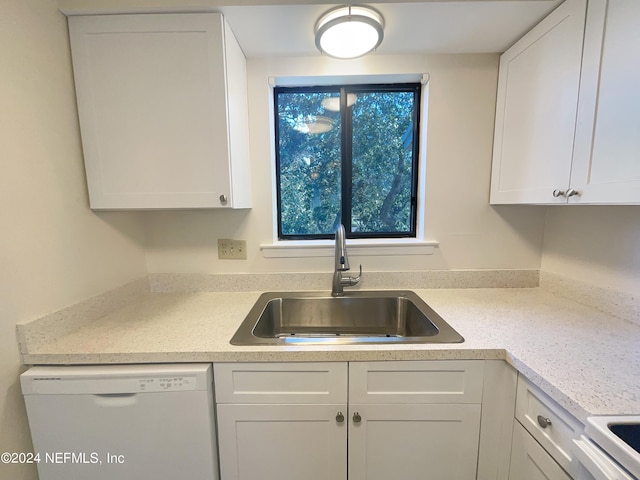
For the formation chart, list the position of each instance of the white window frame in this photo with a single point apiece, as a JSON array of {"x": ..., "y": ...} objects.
[{"x": 365, "y": 247}]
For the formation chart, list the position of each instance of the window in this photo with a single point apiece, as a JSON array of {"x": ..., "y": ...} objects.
[{"x": 347, "y": 154}]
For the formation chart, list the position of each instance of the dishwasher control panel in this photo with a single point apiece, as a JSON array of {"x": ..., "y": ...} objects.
[
  {"x": 113, "y": 380},
  {"x": 111, "y": 385},
  {"x": 166, "y": 384}
]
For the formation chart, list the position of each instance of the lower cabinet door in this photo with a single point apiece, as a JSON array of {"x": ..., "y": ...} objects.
[
  {"x": 282, "y": 442},
  {"x": 413, "y": 442},
  {"x": 529, "y": 461}
]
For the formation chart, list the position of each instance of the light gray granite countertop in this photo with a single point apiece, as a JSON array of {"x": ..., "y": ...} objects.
[{"x": 587, "y": 360}]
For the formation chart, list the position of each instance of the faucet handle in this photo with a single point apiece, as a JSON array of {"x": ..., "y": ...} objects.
[
  {"x": 357, "y": 279},
  {"x": 350, "y": 281}
]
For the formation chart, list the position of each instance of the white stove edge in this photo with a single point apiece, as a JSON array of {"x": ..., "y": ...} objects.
[{"x": 597, "y": 429}]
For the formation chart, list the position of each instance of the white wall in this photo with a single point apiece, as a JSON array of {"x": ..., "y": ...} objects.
[
  {"x": 472, "y": 234},
  {"x": 599, "y": 245},
  {"x": 53, "y": 250}
]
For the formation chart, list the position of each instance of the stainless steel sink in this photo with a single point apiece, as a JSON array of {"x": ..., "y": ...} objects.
[{"x": 281, "y": 318}]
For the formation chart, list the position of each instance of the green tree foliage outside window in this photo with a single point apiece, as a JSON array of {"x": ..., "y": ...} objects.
[{"x": 347, "y": 155}]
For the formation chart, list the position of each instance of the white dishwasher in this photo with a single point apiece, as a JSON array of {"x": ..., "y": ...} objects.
[{"x": 122, "y": 422}]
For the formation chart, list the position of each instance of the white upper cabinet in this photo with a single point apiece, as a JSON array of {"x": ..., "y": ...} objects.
[
  {"x": 162, "y": 101},
  {"x": 568, "y": 109},
  {"x": 538, "y": 86},
  {"x": 607, "y": 152}
]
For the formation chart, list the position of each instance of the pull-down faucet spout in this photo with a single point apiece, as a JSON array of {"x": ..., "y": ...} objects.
[
  {"x": 342, "y": 260},
  {"x": 342, "y": 265}
]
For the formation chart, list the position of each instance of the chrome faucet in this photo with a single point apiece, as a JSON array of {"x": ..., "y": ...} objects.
[{"x": 342, "y": 265}]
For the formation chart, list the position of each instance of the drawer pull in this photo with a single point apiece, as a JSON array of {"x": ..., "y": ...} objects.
[
  {"x": 339, "y": 417},
  {"x": 356, "y": 418},
  {"x": 544, "y": 422}
]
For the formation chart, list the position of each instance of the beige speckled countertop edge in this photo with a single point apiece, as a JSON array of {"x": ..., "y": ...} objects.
[{"x": 262, "y": 356}]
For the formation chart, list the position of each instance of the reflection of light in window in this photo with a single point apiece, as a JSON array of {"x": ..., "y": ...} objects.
[
  {"x": 313, "y": 124},
  {"x": 333, "y": 103}
]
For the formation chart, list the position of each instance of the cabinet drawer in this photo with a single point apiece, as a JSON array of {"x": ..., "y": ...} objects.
[
  {"x": 438, "y": 381},
  {"x": 295, "y": 383},
  {"x": 548, "y": 423}
]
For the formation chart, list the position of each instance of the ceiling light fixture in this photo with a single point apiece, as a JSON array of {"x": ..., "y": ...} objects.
[{"x": 349, "y": 31}]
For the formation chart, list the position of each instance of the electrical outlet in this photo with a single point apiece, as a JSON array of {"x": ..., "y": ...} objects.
[{"x": 232, "y": 249}]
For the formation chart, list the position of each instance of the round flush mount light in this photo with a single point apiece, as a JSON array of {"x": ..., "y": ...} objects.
[{"x": 349, "y": 31}]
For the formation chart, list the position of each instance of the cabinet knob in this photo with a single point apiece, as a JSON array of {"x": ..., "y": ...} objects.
[
  {"x": 356, "y": 418},
  {"x": 571, "y": 192},
  {"x": 559, "y": 193},
  {"x": 544, "y": 422},
  {"x": 339, "y": 417},
  {"x": 223, "y": 199}
]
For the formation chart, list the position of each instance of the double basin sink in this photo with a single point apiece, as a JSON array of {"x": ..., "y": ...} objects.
[{"x": 359, "y": 317}]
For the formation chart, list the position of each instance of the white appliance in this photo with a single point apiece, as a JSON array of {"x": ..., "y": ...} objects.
[
  {"x": 610, "y": 449},
  {"x": 122, "y": 422}
]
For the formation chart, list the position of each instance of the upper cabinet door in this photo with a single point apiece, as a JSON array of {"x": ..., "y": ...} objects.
[
  {"x": 606, "y": 165},
  {"x": 163, "y": 111},
  {"x": 538, "y": 88}
]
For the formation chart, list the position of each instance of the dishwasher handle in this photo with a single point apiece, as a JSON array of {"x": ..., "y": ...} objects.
[
  {"x": 596, "y": 462},
  {"x": 115, "y": 400}
]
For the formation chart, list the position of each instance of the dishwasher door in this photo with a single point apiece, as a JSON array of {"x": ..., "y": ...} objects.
[{"x": 122, "y": 422}]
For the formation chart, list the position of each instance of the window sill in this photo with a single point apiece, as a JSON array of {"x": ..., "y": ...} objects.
[{"x": 359, "y": 247}]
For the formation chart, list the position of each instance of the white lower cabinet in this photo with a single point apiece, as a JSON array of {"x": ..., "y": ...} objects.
[
  {"x": 283, "y": 442},
  {"x": 405, "y": 442},
  {"x": 414, "y": 420},
  {"x": 282, "y": 421},
  {"x": 529, "y": 461},
  {"x": 399, "y": 420},
  {"x": 543, "y": 434}
]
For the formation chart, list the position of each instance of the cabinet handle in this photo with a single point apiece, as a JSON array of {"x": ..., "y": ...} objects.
[
  {"x": 339, "y": 417},
  {"x": 559, "y": 193},
  {"x": 544, "y": 422},
  {"x": 356, "y": 418},
  {"x": 571, "y": 192},
  {"x": 223, "y": 199}
]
